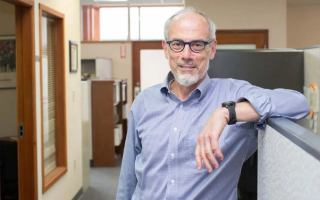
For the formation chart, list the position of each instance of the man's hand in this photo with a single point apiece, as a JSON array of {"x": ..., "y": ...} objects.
[{"x": 207, "y": 143}]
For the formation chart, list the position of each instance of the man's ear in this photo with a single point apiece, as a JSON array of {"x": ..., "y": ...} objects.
[
  {"x": 165, "y": 48},
  {"x": 213, "y": 49}
]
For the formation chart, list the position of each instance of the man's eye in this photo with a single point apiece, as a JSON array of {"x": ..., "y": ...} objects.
[
  {"x": 198, "y": 44},
  {"x": 176, "y": 44}
]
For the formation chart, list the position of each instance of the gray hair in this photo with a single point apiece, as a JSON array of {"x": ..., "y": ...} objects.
[{"x": 212, "y": 26}]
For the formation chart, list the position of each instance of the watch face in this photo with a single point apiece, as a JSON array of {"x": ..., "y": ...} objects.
[{"x": 228, "y": 103}]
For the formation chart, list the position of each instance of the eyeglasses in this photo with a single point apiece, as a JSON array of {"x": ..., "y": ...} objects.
[{"x": 196, "y": 45}]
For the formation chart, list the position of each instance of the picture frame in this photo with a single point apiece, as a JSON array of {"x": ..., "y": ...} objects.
[
  {"x": 8, "y": 62},
  {"x": 73, "y": 54}
]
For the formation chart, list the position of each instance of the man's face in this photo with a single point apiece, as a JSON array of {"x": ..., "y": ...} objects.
[{"x": 187, "y": 66}]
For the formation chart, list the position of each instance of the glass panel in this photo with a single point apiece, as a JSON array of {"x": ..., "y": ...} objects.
[
  {"x": 152, "y": 20},
  {"x": 236, "y": 46},
  {"x": 134, "y": 23},
  {"x": 48, "y": 94},
  {"x": 114, "y": 23}
]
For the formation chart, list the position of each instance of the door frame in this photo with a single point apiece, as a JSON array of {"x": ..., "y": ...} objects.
[
  {"x": 258, "y": 37},
  {"x": 26, "y": 98}
]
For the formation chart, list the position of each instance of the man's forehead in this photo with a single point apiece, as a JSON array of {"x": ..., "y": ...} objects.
[{"x": 190, "y": 25}]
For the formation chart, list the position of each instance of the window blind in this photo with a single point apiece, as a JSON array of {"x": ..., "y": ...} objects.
[{"x": 48, "y": 94}]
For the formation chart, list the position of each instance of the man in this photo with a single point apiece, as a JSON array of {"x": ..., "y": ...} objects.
[{"x": 173, "y": 123}]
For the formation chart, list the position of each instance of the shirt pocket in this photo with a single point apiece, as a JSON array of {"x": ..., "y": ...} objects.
[{"x": 192, "y": 138}]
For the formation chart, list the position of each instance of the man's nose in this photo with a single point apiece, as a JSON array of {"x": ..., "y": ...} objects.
[{"x": 186, "y": 53}]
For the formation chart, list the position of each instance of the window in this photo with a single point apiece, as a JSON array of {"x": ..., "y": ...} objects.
[
  {"x": 146, "y": 22},
  {"x": 114, "y": 23},
  {"x": 151, "y": 28},
  {"x": 48, "y": 95},
  {"x": 52, "y": 76},
  {"x": 134, "y": 23}
]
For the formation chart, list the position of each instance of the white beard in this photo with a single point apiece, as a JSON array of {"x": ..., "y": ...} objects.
[{"x": 187, "y": 80}]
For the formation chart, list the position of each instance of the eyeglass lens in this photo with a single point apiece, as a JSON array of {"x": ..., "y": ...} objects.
[{"x": 195, "y": 46}]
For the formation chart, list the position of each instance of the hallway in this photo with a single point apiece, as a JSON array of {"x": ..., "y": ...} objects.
[{"x": 104, "y": 183}]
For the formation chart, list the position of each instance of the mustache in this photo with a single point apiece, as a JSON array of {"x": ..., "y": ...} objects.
[{"x": 191, "y": 64}]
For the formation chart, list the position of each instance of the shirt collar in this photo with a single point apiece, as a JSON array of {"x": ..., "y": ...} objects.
[
  {"x": 202, "y": 88},
  {"x": 166, "y": 83}
]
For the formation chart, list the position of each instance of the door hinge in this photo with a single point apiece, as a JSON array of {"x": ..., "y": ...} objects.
[{"x": 21, "y": 131}]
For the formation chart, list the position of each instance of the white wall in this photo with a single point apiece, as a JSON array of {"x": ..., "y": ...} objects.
[
  {"x": 8, "y": 100},
  {"x": 303, "y": 26},
  {"x": 248, "y": 14},
  {"x": 70, "y": 183}
]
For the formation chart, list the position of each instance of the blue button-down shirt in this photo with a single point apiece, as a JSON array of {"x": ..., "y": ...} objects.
[{"x": 159, "y": 161}]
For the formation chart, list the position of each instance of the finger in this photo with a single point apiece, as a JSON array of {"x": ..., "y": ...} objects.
[
  {"x": 203, "y": 155},
  {"x": 197, "y": 154},
  {"x": 209, "y": 153},
  {"x": 216, "y": 149}
]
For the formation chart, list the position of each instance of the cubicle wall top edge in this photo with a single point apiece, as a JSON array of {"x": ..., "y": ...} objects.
[
  {"x": 312, "y": 47},
  {"x": 305, "y": 139}
]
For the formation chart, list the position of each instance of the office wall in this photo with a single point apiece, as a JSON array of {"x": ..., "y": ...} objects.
[
  {"x": 7, "y": 19},
  {"x": 70, "y": 183},
  {"x": 8, "y": 107},
  {"x": 122, "y": 67},
  {"x": 303, "y": 26},
  {"x": 248, "y": 14}
]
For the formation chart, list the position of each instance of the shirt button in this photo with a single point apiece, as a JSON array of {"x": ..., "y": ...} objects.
[
  {"x": 172, "y": 155},
  {"x": 172, "y": 181},
  {"x": 175, "y": 129},
  {"x": 181, "y": 106}
]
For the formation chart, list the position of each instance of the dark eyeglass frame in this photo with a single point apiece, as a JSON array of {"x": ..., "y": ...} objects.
[{"x": 189, "y": 43}]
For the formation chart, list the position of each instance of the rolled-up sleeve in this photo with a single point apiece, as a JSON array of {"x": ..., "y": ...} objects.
[
  {"x": 272, "y": 103},
  {"x": 128, "y": 180}
]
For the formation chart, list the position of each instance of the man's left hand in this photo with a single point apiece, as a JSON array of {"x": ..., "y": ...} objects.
[{"x": 207, "y": 142}]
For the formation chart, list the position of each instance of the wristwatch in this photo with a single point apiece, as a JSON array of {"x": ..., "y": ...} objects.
[{"x": 230, "y": 105}]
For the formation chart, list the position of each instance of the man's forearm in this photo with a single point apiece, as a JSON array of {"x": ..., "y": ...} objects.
[{"x": 244, "y": 112}]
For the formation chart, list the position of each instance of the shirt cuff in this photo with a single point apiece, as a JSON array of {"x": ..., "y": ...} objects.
[{"x": 262, "y": 105}]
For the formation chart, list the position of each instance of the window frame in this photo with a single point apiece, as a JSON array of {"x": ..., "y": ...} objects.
[{"x": 60, "y": 91}]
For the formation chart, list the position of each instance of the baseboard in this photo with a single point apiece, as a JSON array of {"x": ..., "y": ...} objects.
[
  {"x": 91, "y": 163},
  {"x": 78, "y": 195}
]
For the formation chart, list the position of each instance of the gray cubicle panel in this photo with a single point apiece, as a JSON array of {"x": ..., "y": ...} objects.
[{"x": 264, "y": 68}]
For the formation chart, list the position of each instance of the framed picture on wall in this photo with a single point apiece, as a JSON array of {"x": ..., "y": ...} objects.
[
  {"x": 73, "y": 53},
  {"x": 7, "y": 62}
]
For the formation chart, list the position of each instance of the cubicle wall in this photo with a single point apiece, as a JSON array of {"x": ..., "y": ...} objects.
[
  {"x": 269, "y": 69},
  {"x": 288, "y": 162}
]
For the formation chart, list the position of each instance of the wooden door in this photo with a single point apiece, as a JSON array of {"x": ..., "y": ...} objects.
[{"x": 26, "y": 99}]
